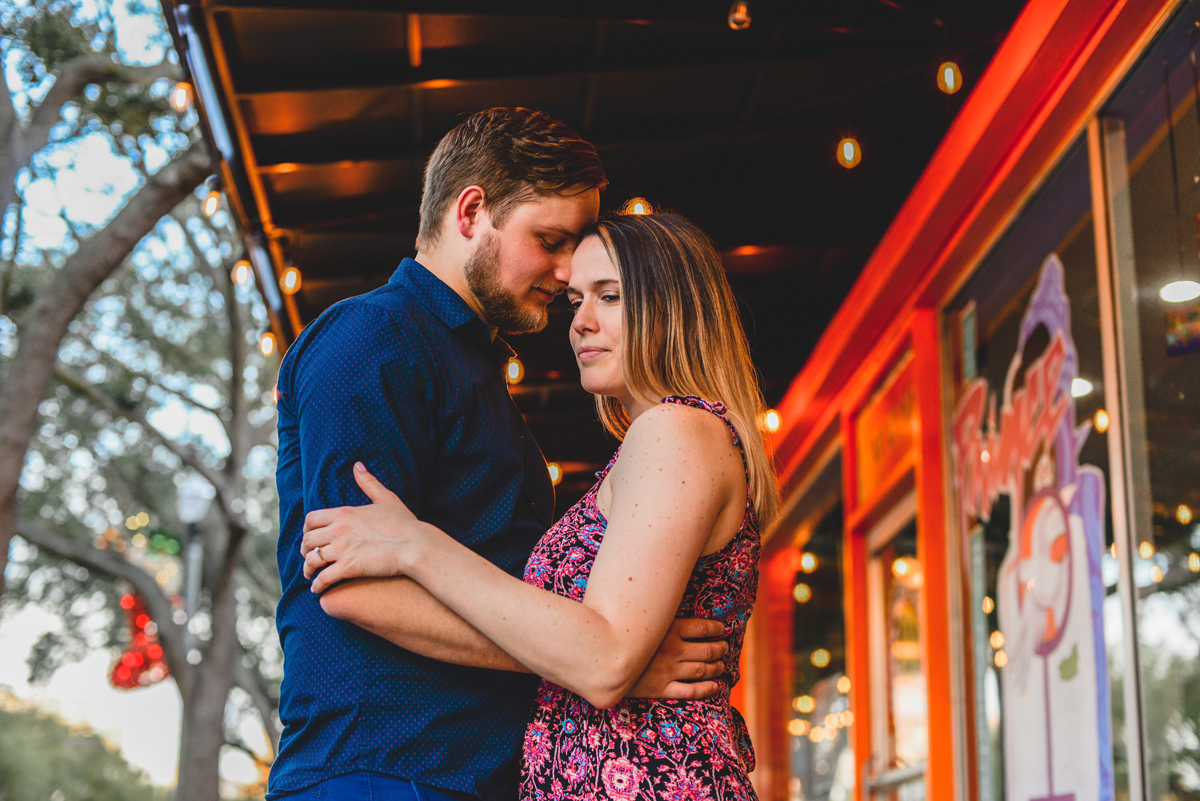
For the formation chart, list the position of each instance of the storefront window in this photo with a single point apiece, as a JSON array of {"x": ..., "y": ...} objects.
[
  {"x": 906, "y": 692},
  {"x": 1031, "y": 470},
  {"x": 1157, "y": 270},
  {"x": 819, "y": 719}
]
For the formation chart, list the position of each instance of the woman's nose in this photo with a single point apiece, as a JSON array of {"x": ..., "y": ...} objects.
[{"x": 583, "y": 320}]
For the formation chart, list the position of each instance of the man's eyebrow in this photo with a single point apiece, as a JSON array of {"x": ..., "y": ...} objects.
[{"x": 567, "y": 232}]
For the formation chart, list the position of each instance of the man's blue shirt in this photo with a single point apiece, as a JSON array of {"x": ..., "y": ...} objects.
[{"x": 408, "y": 380}]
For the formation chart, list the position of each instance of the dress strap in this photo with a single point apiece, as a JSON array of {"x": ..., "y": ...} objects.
[{"x": 714, "y": 407}]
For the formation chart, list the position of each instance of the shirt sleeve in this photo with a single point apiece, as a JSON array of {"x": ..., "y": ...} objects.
[{"x": 364, "y": 389}]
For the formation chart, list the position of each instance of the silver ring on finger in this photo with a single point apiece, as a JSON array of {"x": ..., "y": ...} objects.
[{"x": 320, "y": 555}]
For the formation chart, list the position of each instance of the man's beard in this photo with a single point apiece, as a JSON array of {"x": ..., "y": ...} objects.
[{"x": 500, "y": 307}]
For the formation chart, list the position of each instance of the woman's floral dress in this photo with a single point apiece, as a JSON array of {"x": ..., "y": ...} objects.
[{"x": 643, "y": 749}]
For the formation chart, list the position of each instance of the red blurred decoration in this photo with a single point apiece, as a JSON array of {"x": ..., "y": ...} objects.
[{"x": 142, "y": 663}]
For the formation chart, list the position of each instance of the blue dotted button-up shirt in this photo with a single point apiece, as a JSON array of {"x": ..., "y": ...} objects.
[{"x": 408, "y": 380}]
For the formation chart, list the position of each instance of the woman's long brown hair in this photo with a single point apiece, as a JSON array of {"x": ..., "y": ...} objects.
[{"x": 681, "y": 334}]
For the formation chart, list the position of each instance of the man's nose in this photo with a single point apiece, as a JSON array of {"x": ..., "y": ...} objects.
[{"x": 562, "y": 271}]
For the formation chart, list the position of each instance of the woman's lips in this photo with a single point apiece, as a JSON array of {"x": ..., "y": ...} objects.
[{"x": 588, "y": 353}]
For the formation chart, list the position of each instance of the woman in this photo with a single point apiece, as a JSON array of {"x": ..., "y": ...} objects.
[{"x": 670, "y": 530}]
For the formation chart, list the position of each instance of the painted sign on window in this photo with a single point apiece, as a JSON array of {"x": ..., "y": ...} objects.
[{"x": 1021, "y": 440}]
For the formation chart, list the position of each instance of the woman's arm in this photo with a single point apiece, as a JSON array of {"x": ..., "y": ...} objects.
[{"x": 678, "y": 470}]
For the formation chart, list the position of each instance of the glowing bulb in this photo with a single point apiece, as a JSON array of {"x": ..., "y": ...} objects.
[
  {"x": 849, "y": 153},
  {"x": 1183, "y": 513},
  {"x": 212, "y": 203},
  {"x": 808, "y": 562},
  {"x": 900, "y": 567},
  {"x": 988, "y": 605},
  {"x": 843, "y": 684},
  {"x": 638, "y": 206},
  {"x": 1100, "y": 421},
  {"x": 804, "y": 704},
  {"x": 267, "y": 344},
  {"x": 1145, "y": 550},
  {"x": 817, "y": 735},
  {"x": 985, "y": 457},
  {"x": 555, "y": 472},
  {"x": 181, "y": 96},
  {"x": 289, "y": 282},
  {"x": 949, "y": 78},
  {"x": 1194, "y": 562},
  {"x": 831, "y": 721},
  {"x": 771, "y": 420},
  {"x": 849, "y": 718},
  {"x": 515, "y": 371},
  {"x": 739, "y": 16},
  {"x": 797, "y": 727},
  {"x": 820, "y": 658},
  {"x": 1156, "y": 574},
  {"x": 240, "y": 273},
  {"x": 1081, "y": 387},
  {"x": 1180, "y": 291},
  {"x": 997, "y": 640},
  {"x": 143, "y": 519},
  {"x": 802, "y": 592},
  {"x": 1000, "y": 659}
]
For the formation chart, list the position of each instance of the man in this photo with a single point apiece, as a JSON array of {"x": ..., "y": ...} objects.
[{"x": 409, "y": 380}]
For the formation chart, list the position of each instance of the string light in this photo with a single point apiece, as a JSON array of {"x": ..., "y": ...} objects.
[
  {"x": 515, "y": 371},
  {"x": 1000, "y": 659},
  {"x": 997, "y": 640},
  {"x": 1145, "y": 550},
  {"x": 1194, "y": 562},
  {"x": 808, "y": 562},
  {"x": 900, "y": 567},
  {"x": 843, "y": 685},
  {"x": 804, "y": 704},
  {"x": 289, "y": 282},
  {"x": 213, "y": 200},
  {"x": 739, "y": 15},
  {"x": 555, "y": 472},
  {"x": 1081, "y": 387},
  {"x": 181, "y": 96},
  {"x": 802, "y": 593},
  {"x": 1100, "y": 421},
  {"x": 267, "y": 344},
  {"x": 638, "y": 206},
  {"x": 820, "y": 658},
  {"x": 817, "y": 735},
  {"x": 797, "y": 727},
  {"x": 1180, "y": 291},
  {"x": 771, "y": 421},
  {"x": 1183, "y": 513},
  {"x": 1156, "y": 574},
  {"x": 241, "y": 273},
  {"x": 849, "y": 153},
  {"x": 988, "y": 605},
  {"x": 949, "y": 78}
]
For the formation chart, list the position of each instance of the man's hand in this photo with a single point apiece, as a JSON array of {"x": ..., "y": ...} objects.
[{"x": 682, "y": 669}]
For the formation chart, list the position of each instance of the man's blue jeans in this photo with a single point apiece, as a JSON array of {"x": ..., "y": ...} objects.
[{"x": 365, "y": 786}]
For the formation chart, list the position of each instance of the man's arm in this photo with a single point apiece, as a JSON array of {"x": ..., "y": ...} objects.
[{"x": 684, "y": 667}]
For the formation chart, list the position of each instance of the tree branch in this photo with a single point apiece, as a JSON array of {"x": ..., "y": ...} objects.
[
  {"x": 10, "y": 264},
  {"x": 251, "y": 682},
  {"x": 97, "y": 396},
  {"x": 32, "y": 367},
  {"x": 170, "y": 633}
]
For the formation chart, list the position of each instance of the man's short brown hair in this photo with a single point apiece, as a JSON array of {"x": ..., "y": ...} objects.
[{"x": 514, "y": 155}]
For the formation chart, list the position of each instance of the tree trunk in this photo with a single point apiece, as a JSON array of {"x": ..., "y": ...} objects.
[{"x": 43, "y": 326}]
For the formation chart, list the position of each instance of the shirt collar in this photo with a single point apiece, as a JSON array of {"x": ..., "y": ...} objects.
[{"x": 435, "y": 294}]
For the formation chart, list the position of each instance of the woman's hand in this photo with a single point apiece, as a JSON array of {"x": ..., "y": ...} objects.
[{"x": 355, "y": 541}]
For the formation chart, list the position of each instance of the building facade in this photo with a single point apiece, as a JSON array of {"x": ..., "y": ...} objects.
[{"x": 986, "y": 580}]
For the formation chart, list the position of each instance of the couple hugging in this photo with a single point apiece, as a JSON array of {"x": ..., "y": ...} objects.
[{"x": 423, "y": 595}]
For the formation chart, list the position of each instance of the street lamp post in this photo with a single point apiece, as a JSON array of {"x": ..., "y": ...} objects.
[{"x": 195, "y": 496}]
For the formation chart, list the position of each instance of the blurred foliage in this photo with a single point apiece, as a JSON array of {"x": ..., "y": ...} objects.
[{"x": 44, "y": 759}]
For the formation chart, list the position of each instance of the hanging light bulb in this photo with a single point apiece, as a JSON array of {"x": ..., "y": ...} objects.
[
  {"x": 515, "y": 371},
  {"x": 289, "y": 282},
  {"x": 849, "y": 153},
  {"x": 181, "y": 96},
  {"x": 213, "y": 200},
  {"x": 771, "y": 421},
  {"x": 555, "y": 472},
  {"x": 637, "y": 206},
  {"x": 267, "y": 344},
  {"x": 1180, "y": 291},
  {"x": 739, "y": 15},
  {"x": 949, "y": 78},
  {"x": 241, "y": 273}
]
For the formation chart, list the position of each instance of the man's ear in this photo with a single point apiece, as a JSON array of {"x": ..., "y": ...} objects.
[{"x": 469, "y": 211}]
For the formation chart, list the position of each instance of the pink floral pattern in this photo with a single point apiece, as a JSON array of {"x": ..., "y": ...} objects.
[{"x": 641, "y": 749}]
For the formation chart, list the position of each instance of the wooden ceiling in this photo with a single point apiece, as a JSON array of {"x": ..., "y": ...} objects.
[{"x": 324, "y": 113}]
